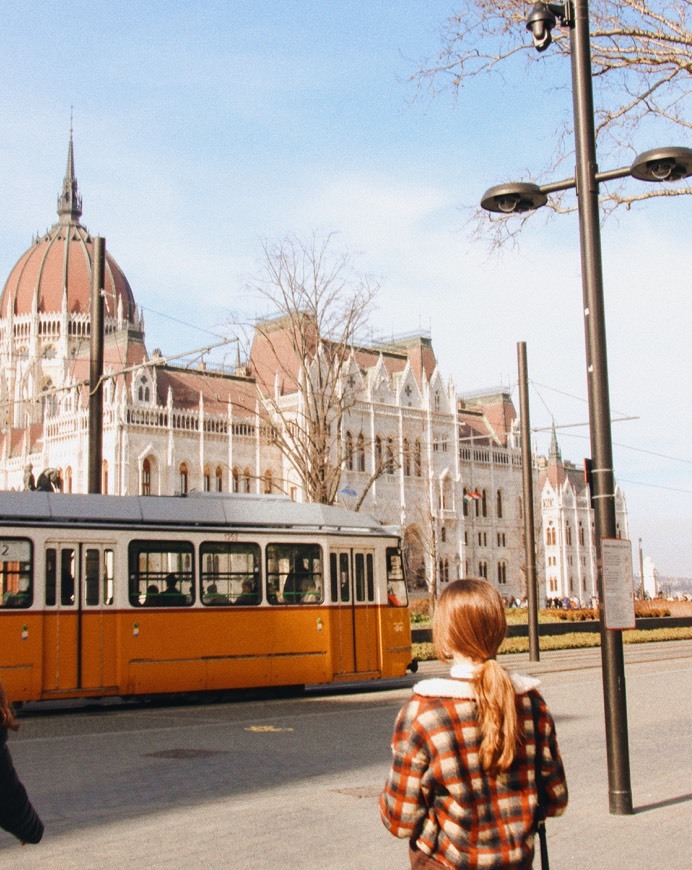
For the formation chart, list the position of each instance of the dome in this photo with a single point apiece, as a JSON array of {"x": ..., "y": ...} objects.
[{"x": 61, "y": 261}]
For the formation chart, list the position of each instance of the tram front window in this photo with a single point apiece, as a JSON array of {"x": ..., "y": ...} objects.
[
  {"x": 16, "y": 584},
  {"x": 294, "y": 574},
  {"x": 396, "y": 582},
  {"x": 161, "y": 574}
]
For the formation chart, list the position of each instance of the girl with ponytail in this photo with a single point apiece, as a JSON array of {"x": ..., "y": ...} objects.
[{"x": 462, "y": 786}]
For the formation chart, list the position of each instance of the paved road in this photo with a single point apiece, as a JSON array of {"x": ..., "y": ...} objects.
[{"x": 293, "y": 783}]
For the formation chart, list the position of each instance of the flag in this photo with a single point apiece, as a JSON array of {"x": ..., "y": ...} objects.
[
  {"x": 349, "y": 490},
  {"x": 467, "y": 496},
  {"x": 476, "y": 494}
]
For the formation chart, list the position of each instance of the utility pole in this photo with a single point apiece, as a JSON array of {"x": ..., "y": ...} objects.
[{"x": 96, "y": 366}]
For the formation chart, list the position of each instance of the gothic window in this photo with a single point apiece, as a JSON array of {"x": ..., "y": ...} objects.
[
  {"x": 443, "y": 534},
  {"x": 246, "y": 480},
  {"x": 268, "y": 481},
  {"x": 568, "y": 534},
  {"x": 236, "y": 479},
  {"x": 484, "y": 502},
  {"x": 498, "y": 504},
  {"x": 360, "y": 453},
  {"x": 483, "y": 569},
  {"x": 348, "y": 451},
  {"x": 143, "y": 389},
  {"x": 219, "y": 479},
  {"x": 48, "y": 400},
  {"x": 501, "y": 573},
  {"x": 581, "y": 534},
  {"x": 436, "y": 400},
  {"x": 417, "y": 462},
  {"x": 465, "y": 501},
  {"x": 378, "y": 453},
  {"x": 389, "y": 464},
  {"x": 407, "y": 457},
  {"x": 207, "y": 479},
  {"x": 146, "y": 478},
  {"x": 183, "y": 478}
]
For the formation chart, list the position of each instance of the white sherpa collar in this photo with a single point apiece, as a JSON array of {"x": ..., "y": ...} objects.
[{"x": 460, "y": 685}]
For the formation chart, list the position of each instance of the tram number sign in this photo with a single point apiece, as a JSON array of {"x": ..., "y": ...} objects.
[
  {"x": 12, "y": 550},
  {"x": 618, "y": 583}
]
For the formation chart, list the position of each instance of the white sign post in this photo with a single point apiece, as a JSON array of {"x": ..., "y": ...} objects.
[{"x": 618, "y": 583}]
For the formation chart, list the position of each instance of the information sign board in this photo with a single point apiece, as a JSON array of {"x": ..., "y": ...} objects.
[{"x": 618, "y": 583}]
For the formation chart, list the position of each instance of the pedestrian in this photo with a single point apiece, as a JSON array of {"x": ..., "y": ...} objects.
[
  {"x": 462, "y": 786},
  {"x": 17, "y": 815}
]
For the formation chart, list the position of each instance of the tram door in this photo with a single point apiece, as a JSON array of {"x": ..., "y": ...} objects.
[
  {"x": 61, "y": 622},
  {"x": 78, "y": 636},
  {"x": 355, "y": 631},
  {"x": 97, "y": 654}
]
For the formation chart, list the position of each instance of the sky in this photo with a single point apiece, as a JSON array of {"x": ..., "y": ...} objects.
[{"x": 200, "y": 131}]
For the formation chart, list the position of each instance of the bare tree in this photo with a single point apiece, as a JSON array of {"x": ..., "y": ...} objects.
[
  {"x": 641, "y": 58},
  {"x": 302, "y": 355}
]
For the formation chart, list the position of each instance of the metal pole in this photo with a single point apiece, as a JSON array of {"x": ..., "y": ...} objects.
[
  {"x": 529, "y": 527},
  {"x": 96, "y": 366},
  {"x": 612, "y": 658},
  {"x": 641, "y": 570}
]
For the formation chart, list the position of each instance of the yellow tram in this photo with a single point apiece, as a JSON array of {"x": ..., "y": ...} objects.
[{"x": 131, "y": 595}]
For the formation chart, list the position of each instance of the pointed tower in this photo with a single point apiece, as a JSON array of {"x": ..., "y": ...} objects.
[{"x": 70, "y": 201}]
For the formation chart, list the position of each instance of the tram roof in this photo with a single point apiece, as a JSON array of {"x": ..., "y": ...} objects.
[{"x": 197, "y": 509}]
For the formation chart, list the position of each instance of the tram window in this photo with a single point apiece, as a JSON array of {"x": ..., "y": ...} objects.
[
  {"x": 396, "y": 582},
  {"x": 294, "y": 574},
  {"x": 91, "y": 576},
  {"x": 364, "y": 575},
  {"x": 51, "y": 575},
  {"x": 230, "y": 573},
  {"x": 67, "y": 565},
  {"x": 161, "y": 573},
  {"x": 108, "y": 576},
  {"x": 16, "y": 585},
  {"x": 339, "y": 570}
]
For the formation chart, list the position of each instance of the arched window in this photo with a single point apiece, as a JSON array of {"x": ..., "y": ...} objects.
[
  {"x": 219, "y": 479},
  {"x": 417, "y": 463},
  {"x": 501, "y": 573},
  {"x": 581, "y": 534},
  {"x": 104, "y": 477},
  {"x": 520, "y": 505},
  {"x": 246, "y": 480},
  {"x": 207, "y": 479},
  {"x": 483, "y": 569},
  {"x": 348, "y": 451},
  {"x": 360, "y": 453},
  {"x": 389, "y": 462},
  {"x": 235, "y": 474},
  {"x": 378, "y": 453},
  {"x": 465, "y": 501},
  {"x": 498, "y": 504},
  {"x": 183, "y": 478},
  {"x": 67, "y": 477},
  {"x": 568, "y": 534},
  {"x": 143, "y": 390},
  {"x": 268, "y": 481},
  {"x": 49, "y": 403},
  {"x": 146, "y": 478},
  {"x": 484, "y": 502},
  {"x": 407, "y": 457}
]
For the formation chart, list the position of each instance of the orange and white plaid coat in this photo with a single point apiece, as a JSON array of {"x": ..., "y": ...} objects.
[{"x": 438, "y": 795}]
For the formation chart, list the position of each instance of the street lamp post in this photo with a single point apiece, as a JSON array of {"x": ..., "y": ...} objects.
[{"x": 664, "y": 164}]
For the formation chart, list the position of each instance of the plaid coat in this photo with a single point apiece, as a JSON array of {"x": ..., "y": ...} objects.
[{"x": 438, "y": 795}]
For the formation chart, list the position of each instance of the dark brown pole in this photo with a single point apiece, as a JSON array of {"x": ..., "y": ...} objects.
[
  {"x": 529, "y": 527},
  {"x": 603, "y": 492},
  {"x": 96, "y": 366}
]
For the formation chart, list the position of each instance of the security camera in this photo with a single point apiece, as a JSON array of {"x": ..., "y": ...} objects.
[{"x": 540, "y": 22}]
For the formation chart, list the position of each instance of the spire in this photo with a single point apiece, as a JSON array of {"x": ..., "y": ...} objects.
[
  {"x": 69, "y": 201},
  {"x": 555, "y": 454}
]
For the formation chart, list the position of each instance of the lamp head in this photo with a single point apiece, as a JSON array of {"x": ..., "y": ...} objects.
[
  {"x": 513, "y": 198},
  {"x": 540, "y": 22},
  {"x": 662, "y": 164}
]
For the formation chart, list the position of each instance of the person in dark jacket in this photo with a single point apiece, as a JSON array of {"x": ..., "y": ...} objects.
[{"x": 17, "y": 815}]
